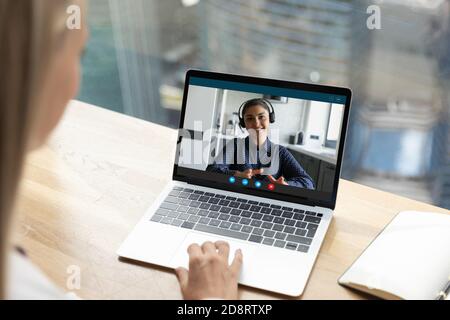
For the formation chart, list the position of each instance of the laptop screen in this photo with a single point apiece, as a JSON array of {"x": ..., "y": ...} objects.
[{"x": 264, "y": 137}]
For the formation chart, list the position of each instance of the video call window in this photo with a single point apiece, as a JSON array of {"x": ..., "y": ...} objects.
[{"x": 261, "y": 139}]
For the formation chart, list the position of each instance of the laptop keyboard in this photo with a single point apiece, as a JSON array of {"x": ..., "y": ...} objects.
[{"x": 272, "y": 225}]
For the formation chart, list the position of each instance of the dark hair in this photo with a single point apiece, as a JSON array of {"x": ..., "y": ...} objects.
[{"x": 255, "y": 102}]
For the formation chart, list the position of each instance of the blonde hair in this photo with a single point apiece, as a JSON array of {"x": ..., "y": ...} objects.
[{"x": 31, "y": 32}]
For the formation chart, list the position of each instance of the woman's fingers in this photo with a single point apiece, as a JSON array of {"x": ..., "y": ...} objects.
[
  {"x": 223, "y": 248},
  {"x": 208, "y": 248},
  {"x": 236, "y": 265},
  {"x": 183, "y": 276},
  {"x": 272, "y": 179}
]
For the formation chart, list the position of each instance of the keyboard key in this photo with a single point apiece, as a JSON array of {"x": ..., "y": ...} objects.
[
  {"x": 188, "y": 190},
  {"x": 214, "y": 207},
  {"x": 203, "y": 213},
  {"x": 224, "y": 217},
  {"x": 256, "y": 223},
  {"x": 172, "y": 214},
  {"x": 222, "y": 232},
  {"x": 205, "y": 206},
  {"x": 214, "y": 222},
  {"x": 290, "y": 230},
  {"x": 300, "y": 224},
  {"x": 231, "y": 198},
  {"x": 258, "y": 231},
  {"x": 177, "y": 188},
  {"x": 224, "y": 202},
  {"x": 267, "y": 225},
  {"x": 266, "y": 210},
  {"x": 162, "y": 212},
  {"x": 276, "y": 212},
  {"x": 287, "y": 209},
  {"x": 298, "y": 239},
  {"x": 310, "y": 213},
  {"x": 257, "y": 216},
  {"x": 247, "y": 229},
  {"x": 274, "y": 206},
  {"x": 244, "y": 206},
  {"x": 255, "y": 238},
  {"x": 234, "y": 204},
  {"x": 235, "y": 227},
  {"x": 291, "y": 246},
  {"x": 299, "y": 210},
  {"x": 177, "y": 222},
  {"x": 278, "y": 227},
  {"x": 287, "y": 214},
  {"x": 241, "y": 200},
  {"x": 302, "y": 248},
  {"x": 268, "y": 241},
  {"x": 182, "y": 209},
  {"x": 255, "y": 208},
  {"x": 300, "y": 232},
  {"x": 204, "y": 220},
  {"x": 279, "y": 243},
  {"x": 312, "y": 226},
  {"x": 225, "y": 224},
  {"x": 235, "y": 212},
  {"x": 172, "y": 200},
  {"x": 199, "y": 192},
  {"x": 194, "y": 204},
  {"x": 289, "y": 222},
  {"x": 214, "y": 200},
  {"x": 209, "y": 194},
  {"x": 263, "y": 204},
  {"x": 192, "y": 210},
  {"x": 219, "y": 196},
  {"x": 246, "y": 214},
  {"x": 320, "y": 215},
  {"x": 213, "y": 215},
  {"x": 268, "y": 218},
  {"x": 194, "y": 197},
  {"x": 185, "y": 202},
  {"x": 312, "y": 219},
  {"x": 166, "y": 220},
  {"x": 193, "y": 219},
  {"x": 184, "y": 195},
  {"x": 170, "y": 206},
  {"x": 203, "y": 199},
  {"x": 311, "y": 233},
  {"x": 245, "y": 221},
  {"x": 252, "y": 202},
  {"x": 269, "y": 233},
  {"x": 278, "y": 220},
  {"x": 156, "y": 218},
  {"x": 280, "y": 236},
  {"x": 298, "y": 216},
  {"x": 183, "y": 216},
  {"x": 225, "y": 210},
  {"x": 234, "y": 219}
]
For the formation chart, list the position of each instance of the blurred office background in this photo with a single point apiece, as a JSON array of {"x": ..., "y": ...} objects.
[{"x": 399, "y": 135}]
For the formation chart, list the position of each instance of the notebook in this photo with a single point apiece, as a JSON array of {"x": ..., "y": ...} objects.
[{"x": 409, "y": 259}]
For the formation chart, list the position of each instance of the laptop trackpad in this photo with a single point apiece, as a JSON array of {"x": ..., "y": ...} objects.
[{"x": 181, "y": 257}]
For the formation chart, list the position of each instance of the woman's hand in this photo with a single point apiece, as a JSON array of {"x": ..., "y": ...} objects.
[
  {"x": 280, "y": 180},
  {"x": 248, "y": 174},
  {"x": 209, "y": 274}
]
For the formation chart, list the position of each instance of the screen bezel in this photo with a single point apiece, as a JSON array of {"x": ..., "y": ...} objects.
[{"x": 307, "y": 200}]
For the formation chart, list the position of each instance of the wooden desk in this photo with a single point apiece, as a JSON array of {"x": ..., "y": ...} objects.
[{"x": 86, "y": 189}]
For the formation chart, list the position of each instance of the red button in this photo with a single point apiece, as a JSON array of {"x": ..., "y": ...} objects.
[{"x": 271, "y": 187}]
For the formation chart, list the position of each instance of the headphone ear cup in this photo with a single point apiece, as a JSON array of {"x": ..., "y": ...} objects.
[
  {"x": 272, "y": 117},
  {"x": 242, "y": 123}
]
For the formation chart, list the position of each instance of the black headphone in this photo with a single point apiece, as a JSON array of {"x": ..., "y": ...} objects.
[{"x": 255, "y": 102}]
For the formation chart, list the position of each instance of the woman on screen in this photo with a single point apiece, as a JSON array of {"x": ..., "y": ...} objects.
[{"x": 271, "y": 162}]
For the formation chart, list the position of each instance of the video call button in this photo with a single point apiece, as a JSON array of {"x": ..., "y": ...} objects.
[
  {"x": 232, "y": 179},
  {"x": 271, "y": 187},
  {"x": 245, "y": 182}
]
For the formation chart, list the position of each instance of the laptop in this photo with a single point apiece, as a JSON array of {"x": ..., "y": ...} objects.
[{"x": 241, "y": 174}]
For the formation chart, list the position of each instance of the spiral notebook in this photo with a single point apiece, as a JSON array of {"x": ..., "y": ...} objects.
[{"x": 409, "y": 259}]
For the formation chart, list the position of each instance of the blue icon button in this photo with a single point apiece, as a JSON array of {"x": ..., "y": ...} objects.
[
  {"x": 232, "y": 179},
  {"x": 245, "y": 182},
  {"x": 258, "y": 184}
]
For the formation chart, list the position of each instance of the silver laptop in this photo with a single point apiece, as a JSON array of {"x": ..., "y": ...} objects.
[{"x": 257, "y": 164}]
